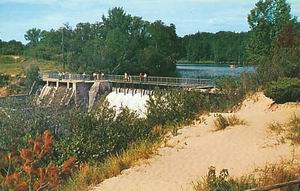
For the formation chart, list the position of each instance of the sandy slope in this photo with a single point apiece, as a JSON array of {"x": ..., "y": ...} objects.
[{"x": 239, "y": 149}]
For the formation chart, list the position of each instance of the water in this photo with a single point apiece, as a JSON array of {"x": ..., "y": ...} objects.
[
  {"x": 136, "y": 102},
  {"x": 211, "y": 70}
]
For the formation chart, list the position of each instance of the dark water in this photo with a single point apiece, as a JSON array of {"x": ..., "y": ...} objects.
[{"x": 211, "y": 70}]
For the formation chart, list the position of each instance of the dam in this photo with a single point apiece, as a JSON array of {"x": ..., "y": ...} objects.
[{"x": 85, "y": 90}]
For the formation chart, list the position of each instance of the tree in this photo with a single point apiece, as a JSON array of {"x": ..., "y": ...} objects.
[
  {"x": 11, "y": 48},
  {"x": 32, "y": 75},
  {"x": 33, "y": 36},
  {"x": 266, "y": 21}
]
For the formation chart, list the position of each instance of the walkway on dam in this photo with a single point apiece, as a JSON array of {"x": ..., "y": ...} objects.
[{"x": 120, "y": 80}]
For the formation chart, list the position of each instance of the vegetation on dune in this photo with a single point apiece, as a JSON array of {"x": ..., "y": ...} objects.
[
  {"x": 270, "y": 174},
  {"x": 223, "y": 182},
  {"x": 288, "y": 131},
  {"x": 222, "y": 122},
  {"x": 284, "y": 90}
]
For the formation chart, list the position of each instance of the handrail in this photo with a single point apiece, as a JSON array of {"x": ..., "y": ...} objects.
[
  {"x": 132, "y": 79},
  {"x": 276, "y": 186}
]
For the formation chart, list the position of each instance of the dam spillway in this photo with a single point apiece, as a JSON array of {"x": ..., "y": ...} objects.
[
  {"x": 64, "y": 92},
  {"x": 85, "y": 90}
]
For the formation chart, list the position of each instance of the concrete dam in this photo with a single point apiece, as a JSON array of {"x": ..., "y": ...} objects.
[{"x": 86, "y": 90}]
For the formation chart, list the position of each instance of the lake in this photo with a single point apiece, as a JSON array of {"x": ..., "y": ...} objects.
[{"x": 211, "y": 70}]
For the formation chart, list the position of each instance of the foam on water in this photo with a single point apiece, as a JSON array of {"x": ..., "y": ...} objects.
[{"x": 136, "y": 102}]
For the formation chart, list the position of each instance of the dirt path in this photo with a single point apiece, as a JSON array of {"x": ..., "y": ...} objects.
[{"x": 189, "y": 155}]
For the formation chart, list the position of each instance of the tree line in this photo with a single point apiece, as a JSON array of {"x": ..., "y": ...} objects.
[
  {"x": 12, "y": 47},
  {"x": 118, "y": 43},
  {"x": 218, "y": 47}
]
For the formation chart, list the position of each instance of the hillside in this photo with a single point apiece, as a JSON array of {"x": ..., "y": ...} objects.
[
  {"x": 187, "y": 157},
  {"x": 14, "y": 65}
]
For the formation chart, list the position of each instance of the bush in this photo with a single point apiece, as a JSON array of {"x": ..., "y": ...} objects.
[
  {"x": 294, "y": 127},
  {"x": 32, "y": 75},
  {"x": 4, "y": 80},
  {"x": 269, "y": 175},
  {"x": 174, "y": 107},
  {"x": 94, "y": 136},
  {"x": 284, "y": 90},
  {"x": 32, "y": 169},
  {"x": 233, "y": 90},
  {"x": 222, "y": 122},
  {"x": 223, "y": 182}
]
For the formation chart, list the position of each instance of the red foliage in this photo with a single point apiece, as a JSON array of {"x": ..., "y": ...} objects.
[
  {"x": 68, "y": 164},
  {"x": 35, "y": 176}
]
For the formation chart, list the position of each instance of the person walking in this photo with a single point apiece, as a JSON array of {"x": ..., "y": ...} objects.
[{"x": 146, "y": 77}]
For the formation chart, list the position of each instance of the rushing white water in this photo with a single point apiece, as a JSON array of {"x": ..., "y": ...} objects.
[{"x": 136, "y": 102}]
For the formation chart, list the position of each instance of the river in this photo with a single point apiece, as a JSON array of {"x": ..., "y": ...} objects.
[{"x": 211, "y": 70}]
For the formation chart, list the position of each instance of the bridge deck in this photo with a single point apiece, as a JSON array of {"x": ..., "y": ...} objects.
[{"x": 135, "y": 80}]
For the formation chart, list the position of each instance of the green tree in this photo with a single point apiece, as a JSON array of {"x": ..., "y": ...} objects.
[
  {"x": 33, "y": 36},
  {"x": 266, "y": 21}
]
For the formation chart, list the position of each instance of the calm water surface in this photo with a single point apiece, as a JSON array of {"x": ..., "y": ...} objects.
[{"x": 211, "y": 70}]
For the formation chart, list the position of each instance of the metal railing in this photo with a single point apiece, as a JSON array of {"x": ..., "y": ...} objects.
[{"x": 152, "y": 80}]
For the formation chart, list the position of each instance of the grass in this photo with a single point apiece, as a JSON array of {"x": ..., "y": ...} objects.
[
  {"x": 91, "y": 174},
  {"x": 294, "y": 126},
  {"x": 222, "y": 122},
  {"x": 223, "y": 182},
  {"x": 16, "y": 65},
  {"x": 289, "y": 130},
  {"x": 269, "y": 175}
]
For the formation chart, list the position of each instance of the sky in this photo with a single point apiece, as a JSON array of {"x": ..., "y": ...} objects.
[{"x": 189, "y": 16}]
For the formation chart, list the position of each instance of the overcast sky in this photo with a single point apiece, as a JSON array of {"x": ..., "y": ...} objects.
[{"x": 189, "y": 16}]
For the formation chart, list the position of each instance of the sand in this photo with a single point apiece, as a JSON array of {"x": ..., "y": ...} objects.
[{"x": 240, "y": 149}]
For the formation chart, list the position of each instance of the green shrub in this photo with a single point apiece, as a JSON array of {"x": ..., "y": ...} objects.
[
  {"x": 232, "y": 90},
  {"x": 284, "y": 90},
  {"x": 176, "y": 106},
  {"x": 32, "y": 75},
  {"x": 4, "y": 80},
  {"x": 94, "y": 136}
]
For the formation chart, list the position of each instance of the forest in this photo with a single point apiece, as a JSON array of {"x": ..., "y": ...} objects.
[{"x": 120, "y": 43}]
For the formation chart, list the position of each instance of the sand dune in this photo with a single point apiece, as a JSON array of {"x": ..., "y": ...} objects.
[{"x": 240, "y": 149}]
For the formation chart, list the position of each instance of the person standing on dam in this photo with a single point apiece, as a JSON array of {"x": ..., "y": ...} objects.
[
  {"x": 125, "y": 77},
  {"x": 141, "y": 77}
]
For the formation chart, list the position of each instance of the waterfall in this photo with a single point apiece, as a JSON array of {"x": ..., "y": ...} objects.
[{"x": 134, "y": 101}]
